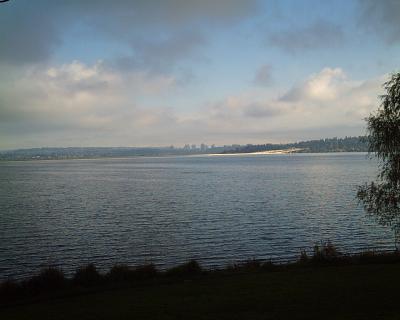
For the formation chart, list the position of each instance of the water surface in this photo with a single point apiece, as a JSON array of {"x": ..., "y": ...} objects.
[{"x": 168, "y": 210}]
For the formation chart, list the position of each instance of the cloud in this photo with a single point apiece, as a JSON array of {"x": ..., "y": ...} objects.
[
  {"x": 329, "y": 98},
  {"x": 260, "y": 111},
  {"x": 322, "y": 86},
  {"x": 79, "y": 101},
  {"x": 163, "y": 55},
  {"x": 325, "y": 104},
  {"x": 381, "y": 17},
  {"x": 319, "y": 35},
  {"x": 240, "y": 107},
  {"x": 76, "y": 104},
  {"x": 27, "y": 34},
  {"x": 124, "y": 14},
  {"x": 263, "y": 76},
  {"x": 33, "y": 30}
]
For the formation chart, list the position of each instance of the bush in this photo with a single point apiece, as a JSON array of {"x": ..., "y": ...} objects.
[
  {"x": 119, "y": 273},
  {"x": 190, "y": 268},
  {"x": 377, "y": 257},
  {"x": 146, "y": 271},
  {"x": 48, "y": 279},
  {"x": 9, "y": 289},
  {"x": 269, "y": 265},
  {"x": 326, "y": 252},
  {"x": 123, "y": 273},
  {"x": 87, "y": 276},
  {"x": 251, "y": 264},
  {"x": 304, "y": 256}
]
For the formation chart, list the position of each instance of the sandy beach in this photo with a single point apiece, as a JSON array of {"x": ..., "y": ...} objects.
[{"x": 281, "y": 151}]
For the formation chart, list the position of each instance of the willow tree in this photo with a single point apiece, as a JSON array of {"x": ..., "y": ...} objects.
[{"x": 381, "y": 198}]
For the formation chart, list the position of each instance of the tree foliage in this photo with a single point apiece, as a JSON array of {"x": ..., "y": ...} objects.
[{"x": 382, "y": 197}]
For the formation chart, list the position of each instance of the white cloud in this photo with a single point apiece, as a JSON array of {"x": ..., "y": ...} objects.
[
  {"x": 325, "y": 85},
  {"x": 78, "y": 104},
  {"x": 312, "y": 109},
  {"x": 74, "y": 99}
]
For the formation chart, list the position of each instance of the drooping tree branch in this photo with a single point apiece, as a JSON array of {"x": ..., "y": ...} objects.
[{"x": 381, "y": 199}]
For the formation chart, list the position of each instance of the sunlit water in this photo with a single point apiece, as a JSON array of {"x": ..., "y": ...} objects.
[{"x": 218, "y": 210}]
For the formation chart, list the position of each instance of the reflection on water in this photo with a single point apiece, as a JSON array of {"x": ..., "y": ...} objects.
[{"x": 168, "y": 210}]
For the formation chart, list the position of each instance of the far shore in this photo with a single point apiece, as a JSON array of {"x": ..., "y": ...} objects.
[{"x": 280, "y": 151}]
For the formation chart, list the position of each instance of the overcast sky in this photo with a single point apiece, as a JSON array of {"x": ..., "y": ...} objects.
[{"x": 154, "y": 73}]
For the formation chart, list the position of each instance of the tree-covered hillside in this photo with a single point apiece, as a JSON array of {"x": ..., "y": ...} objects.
[{"x": 347, "y": 144}]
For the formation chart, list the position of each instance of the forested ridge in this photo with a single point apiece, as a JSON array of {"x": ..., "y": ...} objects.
[{"x": 347, "y": 144}]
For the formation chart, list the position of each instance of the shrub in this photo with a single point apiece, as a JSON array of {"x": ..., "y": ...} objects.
[
  {"x": 48, "y": 279},
  {"x": 377, "y": 257},
  {"x": 124, "y": 273},
  {"x": 119, "y": 273},
  {"x": 326, "y": 252},
  {"x": 303, "y": 256},
  {"x": 190, "y": 268},
  {"x": 147, "y": 271},
  {"x": 87, "y": 276},
  {"x": 9, "y": 289},
  {"x": 254, "y": 264},
  {"x": 251, "y": 264},
  {"x": 269, "y": 265}
]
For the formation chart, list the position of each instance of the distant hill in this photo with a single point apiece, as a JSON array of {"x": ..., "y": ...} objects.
[{"x": 347, "y": 144}]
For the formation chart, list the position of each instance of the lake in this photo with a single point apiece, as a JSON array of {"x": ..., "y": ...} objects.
[{"x": 167, "y": 210}]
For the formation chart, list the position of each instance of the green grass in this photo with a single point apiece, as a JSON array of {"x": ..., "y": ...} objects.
[{"x": 314, "y": 292}]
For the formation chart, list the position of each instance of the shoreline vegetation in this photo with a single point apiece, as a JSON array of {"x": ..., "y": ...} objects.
[
  {"x": 324, "y": 285},
  {"x": 51, "y": 281},
  {"x": 347, "y": 144},
  {"x": 329, "y": 292}
]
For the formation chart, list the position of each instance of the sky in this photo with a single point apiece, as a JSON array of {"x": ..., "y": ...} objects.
[{"x": 171, "y": 72}]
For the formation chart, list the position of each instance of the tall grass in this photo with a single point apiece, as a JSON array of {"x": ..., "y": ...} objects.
[{"x": 322, "y": 253}]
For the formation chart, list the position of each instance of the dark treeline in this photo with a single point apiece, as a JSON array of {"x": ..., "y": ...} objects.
[{"x": 347, "y": 144}]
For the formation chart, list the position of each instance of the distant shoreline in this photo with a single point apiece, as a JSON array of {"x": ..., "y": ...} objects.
[
  {"x": 347, "y": 144},
  {"x": 279, "y": 151},
  {"x": 258, "y": 153}
]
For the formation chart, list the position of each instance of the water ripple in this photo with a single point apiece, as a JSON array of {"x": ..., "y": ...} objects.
[{"x": 218, "y": 210}]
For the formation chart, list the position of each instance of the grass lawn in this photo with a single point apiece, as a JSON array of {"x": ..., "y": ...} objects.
[{"x": 344, "y": 292}]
